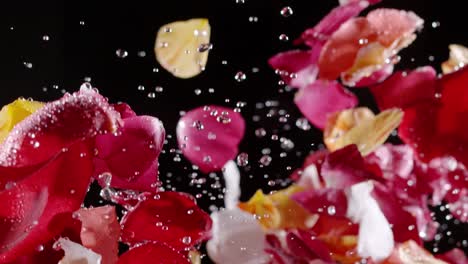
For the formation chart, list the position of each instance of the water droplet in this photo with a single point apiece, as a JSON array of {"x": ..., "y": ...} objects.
[
  {"x": 205, "y": 47},
  {"x": 260, "y": 132},
  {"x": 28, "y": 65},
  {"x": 40, "y": 248},
  {"x": 141, "y": 54},
  {"x": 211, "y": 136},
  {"x": 331, "y": 210},
  {"x": 303, "y": 124},
  {"x": 159, "y": 89},
  {"x": 253, "y": 19},
  {"x": 45, "y": 38},
  {"x": 151, "y": 95},
  {"x": 271, "y": 183},
  {"x": 265, "y": 160},
  {"x": 206, "y": 159},
  {"x": 82, "y": 23},
  {"x": 243, "y": 159},
  {"x": 186, "y": 240},
  {"x": 283, "y": 37},
  {"x": 435, "y": 24},
  {"x": 198, "y": 125},
  {"x": 240, "y": 1},
  {"x": 240, "y": 76},
  {"x": 197, "y": 91},
  {"x": 286, "y": 11},
  {"x": 286, "y": 144},
  {"x": 121, "y": 53},
  {"x": 141, "y": 88},
  {"x": 363, "y": 41},
  {"x": 223, "y": 118}
]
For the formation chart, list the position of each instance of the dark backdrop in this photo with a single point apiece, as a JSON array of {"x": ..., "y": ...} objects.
[{"x": 66, "y": 42}]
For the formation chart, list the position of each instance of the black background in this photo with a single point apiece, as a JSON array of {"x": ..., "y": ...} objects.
[{"x": 84, "y": 37}]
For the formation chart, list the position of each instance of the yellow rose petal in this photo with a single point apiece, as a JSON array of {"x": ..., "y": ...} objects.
[
  {"x": 277, "y": 210},
  {"x": 359, "y": 126},
  {"x": 458, "y": 58},
  {"x": 15, "y": 112},
  {"x": 182, "y": 47}
]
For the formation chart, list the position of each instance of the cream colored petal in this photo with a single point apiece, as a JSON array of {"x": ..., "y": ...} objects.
[
  {"x": 77, "y": 254},
  {"x": 458, "y": 58},
  {"x": 358, "y": 126},
  {"x": 182, "y": 47}
]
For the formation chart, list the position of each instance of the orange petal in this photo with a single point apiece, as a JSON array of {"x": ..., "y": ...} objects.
[
  {"x": 458, "y": 58},
  {"x": 359, "y": 126}
]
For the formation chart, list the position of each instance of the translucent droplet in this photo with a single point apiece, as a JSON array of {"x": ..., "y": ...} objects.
[
  {"x": 243, "y": 159},
  {"x": 198, "y": 125},
  {"x": 260, "y": 132},
  {"x": 286, "y": 144},
  {"x": 205, "y": 47},
  {"x": 435, "y": 24},
  {"x": 283, "y": 37},
  {"x": 82, "y": 23},
  {"x": 141, "y": 54},
  {"x": 186, "y": 240},
  {"x": 151, "y": 95},
  {"x": 141, "y": 88},
  {"x": 40, "y": 248},
  {"x": 121, "y": 53},
  {"x": 197, "y": 91},
  {"x": 28, "y": 65},
  {"x": 286, "y": 11},
  {"x": 331, "y": 210},
  {"x": 253, "y": 19},
  {"x": 363, "y": 41},
  {"x": 240, "y": 76},
  {"x": 265, "y": 160},
  {"x": 240, "y": 1},
  {"x": 159, "y": 89},
  {"x": 45, "y": 38},
  {"x": 303, "y": 124},
  {"x": 223, "y": 118}
]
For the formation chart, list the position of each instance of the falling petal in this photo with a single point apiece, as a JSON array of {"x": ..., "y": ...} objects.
[
  {"x": 77, "y": 254},
  {"x": 180, "y": 46},
  {"x": 458, "y": 58}
]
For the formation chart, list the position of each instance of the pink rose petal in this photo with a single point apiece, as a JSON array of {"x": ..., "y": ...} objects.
[
  {"x": 209, "y": 136},
  {"x": 314, "y": 101}
]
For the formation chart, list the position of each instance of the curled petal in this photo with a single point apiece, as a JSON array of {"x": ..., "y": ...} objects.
[
  {"x": 458, "y": 58},
  {"x": 209, "y": 136},
  {"x": 37, "y": 200},
  {"x": 57, "y": 126},
  {"x": 15, "y": 112},
  {"x": 169, "y": 217},
  {"x": 393, "y": 161},
  {"x": 375, "y": 235},
  {"x": 404, "y": 89},
  {"x": 373, "y": 76},
  {"x": 174, "y": 39},
  {"x": 237, "y": 238},
  {"x": 314, "y": 101},
  {"x": 158, "y": 253},
  {"x": 100, "y": 232},
  {"x": 131, "y": 155},
  {"x": 77, "y": 254},
  {"x": 367, "y": 132},
  {"x": 454, "y": 256}
]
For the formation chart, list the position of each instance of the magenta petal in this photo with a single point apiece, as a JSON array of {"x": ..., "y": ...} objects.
[
  {"x": 305, "y": 248},
  {"x": 331, "y": 22},
  {"x": 296, "y": 67},
  {"x": 404, "y": 225},
  {"x": 344, "y": 168},
  {"x": 406, "y": 89},
  {"x": 392, "y": 160},
  {"x": 321, "y": 98},
  {"x": 209, "y": 136},
  {"x": 131, "y": 156},
  {"x": 124, "y": 110},
  {"x": 323, "y": 201}
]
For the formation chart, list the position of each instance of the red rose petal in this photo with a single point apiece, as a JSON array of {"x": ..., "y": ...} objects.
[
  {"x": 209, "y": 136},
  {"x": 56, "y": 126},
  {"x": 344, "y": 168},
  {"x": 314, "y": 101},
  {"x": 54, "y": 139},
  {"x": 323, "y": 201},
  {"x": 100, "y": 232},
  {"x": 437, "y": 128},
  {"x": 131, "y": 156},
  {"x": 454, "y": 256},
  {"x": 406, "y": 89},
  {"x": 302, "y": 246},
  {"x": 156, "y": 253},
  {"x": 169, "y": 217}
]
